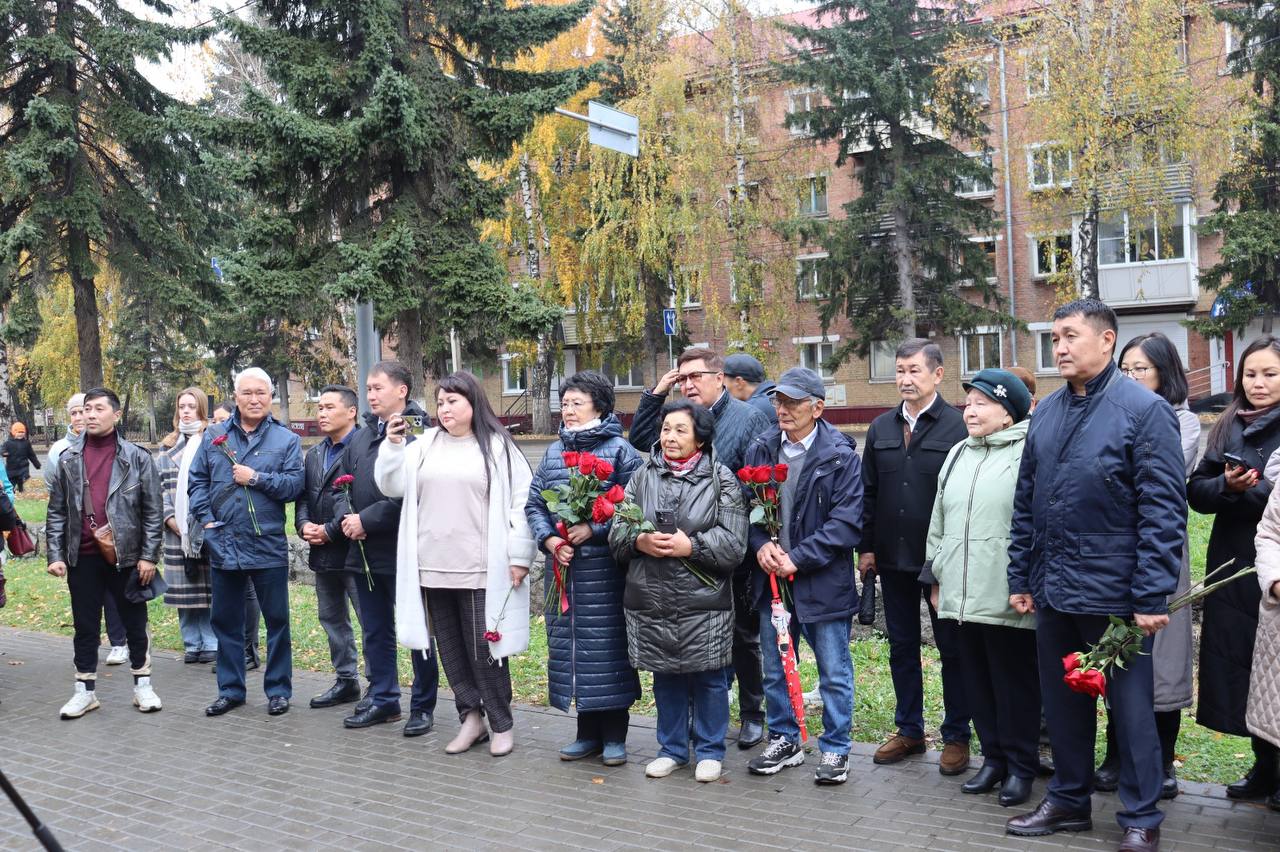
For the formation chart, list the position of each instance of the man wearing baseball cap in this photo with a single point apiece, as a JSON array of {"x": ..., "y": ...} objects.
[
  {"x": 820, "y": 504},
  {"x": 744, "y": 377}
]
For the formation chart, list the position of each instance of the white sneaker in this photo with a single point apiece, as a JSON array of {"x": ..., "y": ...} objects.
[
  {"x": 82, "y": 701},
  {"x": 662, "y": 767},
  {"x": 119, "y": 655},
  {"x": 144, "y": 697},
  {"x": 707, "y": 771}
]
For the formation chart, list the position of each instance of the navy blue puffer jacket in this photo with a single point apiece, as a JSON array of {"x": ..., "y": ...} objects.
[{"x": 587, "y": 646}]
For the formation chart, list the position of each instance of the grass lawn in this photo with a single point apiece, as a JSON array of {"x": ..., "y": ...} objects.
[{"x": 39, "y": 602}]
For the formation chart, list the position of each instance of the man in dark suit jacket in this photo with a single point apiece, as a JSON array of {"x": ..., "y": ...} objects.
[
  {"x": 320, "y": 526},
  {"x": 905, "y": 449}
]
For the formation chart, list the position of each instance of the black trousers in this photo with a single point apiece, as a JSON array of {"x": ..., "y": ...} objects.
[
  {"x": 1073, "y": 721},
  {"x": 746, "y": 665},
  {"x": 91, "y": 581},
  {"x": 378, "y": 625},
  {"x": 605, "y": 726},
  {"x": 1002, "y": 684},
  {"x": 901, "y": 592},
  {"x": 478, "y": 683}
]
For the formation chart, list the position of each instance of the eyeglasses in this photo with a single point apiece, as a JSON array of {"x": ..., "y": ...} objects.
[
  {"x": 1136, "y": 372},
  {"x": 780, "y": 401},
  {"x": 685, "y": 378},
  {"x": 574, "y": 405}
]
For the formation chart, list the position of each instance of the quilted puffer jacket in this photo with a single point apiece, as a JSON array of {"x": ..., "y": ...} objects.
[
  {"x": 1263, "y": 714},
  {"x": 675, "y": 623},
  {"x": 587, "y": 661}
]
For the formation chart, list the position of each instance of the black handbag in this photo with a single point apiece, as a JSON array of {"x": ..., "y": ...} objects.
[{"x": 867, "y": 603}]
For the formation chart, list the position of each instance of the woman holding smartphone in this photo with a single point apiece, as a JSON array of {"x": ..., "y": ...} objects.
[
  {"x": 463, "y": 552},
  {"x": 1228, "y": 484},
  {"x": 679, "y": 627}
]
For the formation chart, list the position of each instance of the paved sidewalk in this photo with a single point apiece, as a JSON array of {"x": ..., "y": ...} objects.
[{"x": 118, "y": 779}]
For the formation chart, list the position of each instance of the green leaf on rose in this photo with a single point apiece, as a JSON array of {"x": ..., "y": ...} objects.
[{"x": 757, "y": 515}]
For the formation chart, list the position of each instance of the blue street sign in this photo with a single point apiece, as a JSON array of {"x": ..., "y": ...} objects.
[
  {"x": 1219, "y": 308},
  {"x": 217, "y": 269},
  {"x": 669, "y": 321}
]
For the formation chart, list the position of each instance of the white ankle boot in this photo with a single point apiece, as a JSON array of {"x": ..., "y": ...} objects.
[{"x": 471, "y": 732}]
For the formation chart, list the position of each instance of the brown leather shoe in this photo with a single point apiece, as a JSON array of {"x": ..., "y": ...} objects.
[
  {"x": 897, "y": 748},
  {"x": 955, "y": 759},
  {"x": 1140, "y": 840},
  {"x": 1047, "y": 819}
]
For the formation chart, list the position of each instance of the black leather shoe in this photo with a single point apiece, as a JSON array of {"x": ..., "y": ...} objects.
[
  {"x": 250, "y": 658},
  {"x": 1169, "y": 789},
  {"x": 373, "y": 716},
  {"x": 1048, "y": 818},
  {"x": 207, "y": 657},
  {"x": 1014, "y": 791},
  {"x": 365, "y": 701},
  {"x": 191, "y": 657},
  {"x": 751, "y": 734},
  {"x": 1273, "y": 801},
  {"x": 984, "y": 780},
  {"x": 1106, "y": 778},
  {"x": 341, "y": 692},
  {"x": 419, "y": 723},
  {"x": 278, "y": 705},
  {"x": 1256, "y": 784},
  {"x": 1140, "y": 840},
  {"x": 1046, "y": 769},
  {"x": 222, "y": 705}
]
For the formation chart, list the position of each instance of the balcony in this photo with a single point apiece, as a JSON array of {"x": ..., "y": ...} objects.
[{"x": 1165, "y": 283}]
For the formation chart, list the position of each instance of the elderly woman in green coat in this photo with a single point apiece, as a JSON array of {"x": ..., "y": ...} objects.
[{"x": 967, "y": 558}]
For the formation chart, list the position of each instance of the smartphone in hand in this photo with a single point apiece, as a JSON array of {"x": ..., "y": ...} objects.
[{"x": 665, "y": 521}]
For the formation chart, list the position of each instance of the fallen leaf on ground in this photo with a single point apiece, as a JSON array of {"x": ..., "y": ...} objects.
[{"x": 597, "y": 780}]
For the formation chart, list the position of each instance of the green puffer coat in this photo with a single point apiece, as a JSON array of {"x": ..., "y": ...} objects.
[{"x": 968, "y": 545}]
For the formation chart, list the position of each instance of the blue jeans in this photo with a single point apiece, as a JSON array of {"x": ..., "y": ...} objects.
[
  {"x": 830, "y": 643},
  {"x": 196, "y": 626},
  {"x": 708, "y": 694},
  {"x": 272, "y": 585}
]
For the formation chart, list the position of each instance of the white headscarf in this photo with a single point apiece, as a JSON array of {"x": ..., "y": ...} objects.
[{"x": 191, "y": 434}]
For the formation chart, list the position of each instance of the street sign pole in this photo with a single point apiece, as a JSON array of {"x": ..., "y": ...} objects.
[{"x": 669, "y": 329}]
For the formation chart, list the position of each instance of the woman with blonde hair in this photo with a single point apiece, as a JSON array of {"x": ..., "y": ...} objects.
[{"x": 186, "y": 570}]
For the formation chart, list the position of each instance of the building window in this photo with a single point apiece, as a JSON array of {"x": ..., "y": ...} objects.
[
  {"x": 798, "y": 102},
  {"x": 883, "y": 361},
  {"x": 1052, "y": 254},
  {"x": 813, "y": 196},
  {"x": 811, "y": 278},
  {"x": 513, "y": 381},
  {"x": 624, "y": 377},
  {"x": 815, "y": 356},
  {"x": 978, "y": 84},
  {"x": 751, "y": 190},
  {"x": 970, "y": 187},
  {"x": 750, "y": 125},
  {"x": 689, "y": 287},
  {"x": 1048, "y": 166},
  {"x": 1125, "y": 237},
  {"x": 979, "y": 350},
  {"x": 1044, "y": 352},
  {"x": 1037, "y": 74}
]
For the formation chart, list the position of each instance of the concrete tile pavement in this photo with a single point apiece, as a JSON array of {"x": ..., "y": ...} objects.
[{"x": 118, "y": 779}]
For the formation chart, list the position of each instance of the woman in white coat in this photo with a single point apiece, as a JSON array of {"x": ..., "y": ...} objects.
[{"x": 463, "y": 553}]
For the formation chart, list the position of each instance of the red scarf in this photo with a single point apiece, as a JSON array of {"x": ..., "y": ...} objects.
[
  {"x": 1248, "y": 415},
  {"x": 683, "y": 465}
]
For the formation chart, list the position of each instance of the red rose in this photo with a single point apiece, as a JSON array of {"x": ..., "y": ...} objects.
[
  {"x": 601, "y": 510},
  {"x": 343, "y": 481},
  {"x": 219, "y": 441},
  {"x": 615, "y": 494},
  {"x": 1071, "y": 661},
  {"x": 604, "y": 470},
  {"x": 586, "y": 463},
  {"x": 760, "y": 475},
  {"x": 780, "y": 472},
  {"x": 571, "y": 459},
  {"x": 1088, "y": 681},
  {"x": 492, "y": 636},
  {"x": 771, "y": 493},
  {"x": 744, "y": 473}
]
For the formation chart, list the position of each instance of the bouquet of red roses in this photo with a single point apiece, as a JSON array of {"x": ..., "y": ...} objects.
[
  {"x": 343, "y": 484},
  {"x": 1087, "y": 671},
  {"x": 221, "y": 443},
  {"x": 764, "y": 480},
  {"x": 581, "y": 500}
]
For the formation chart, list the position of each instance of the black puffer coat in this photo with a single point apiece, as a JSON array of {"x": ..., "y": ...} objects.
[
  {"x": 587, "y": 646},
  {"x": 675, "y": 624},
  {"x": 1230, "y": 621}
]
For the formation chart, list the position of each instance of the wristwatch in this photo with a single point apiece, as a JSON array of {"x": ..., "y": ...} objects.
[{"x": 253, "y": 480}]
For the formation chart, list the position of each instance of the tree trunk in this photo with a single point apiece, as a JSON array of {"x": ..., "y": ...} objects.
[
  {"x": 6, "y": 395},
  {"x": 1088, "y": 232},
  {"x": 903, "y": 252},
  {"x": 85, "y": 292},
  {"x": 409, "y": 349},
  {"x": 532, "y": 257},
  {"x": 540, "y": 368},
  {"x": 282, "y": 390}
]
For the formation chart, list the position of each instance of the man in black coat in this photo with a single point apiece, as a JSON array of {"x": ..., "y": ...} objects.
[
  {"x": 320, "y": 526},
  {"x": 905, "y": 449},
  {"x": 700, "y": 374},
  {"x": 745, "y": 379},
  {"x": 1099, "y": 517},
  {"x": 371, "y": 522}
]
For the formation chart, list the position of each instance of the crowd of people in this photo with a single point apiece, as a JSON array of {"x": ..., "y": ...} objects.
[{"x": 1022, "y": 526}]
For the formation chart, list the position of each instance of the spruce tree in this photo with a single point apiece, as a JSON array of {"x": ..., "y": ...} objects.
[
  {"x": 903, "y": 247},
  {"x": 363, "y": 168},
  {"x": 1247, "y": 276},
  {"x": 98, "y": 166}
]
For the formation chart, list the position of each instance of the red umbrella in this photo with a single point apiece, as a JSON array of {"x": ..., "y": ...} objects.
[{"x": 781, "y": 620}]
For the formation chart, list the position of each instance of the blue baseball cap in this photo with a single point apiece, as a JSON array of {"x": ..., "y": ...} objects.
[{"x": 800, "y": 383}]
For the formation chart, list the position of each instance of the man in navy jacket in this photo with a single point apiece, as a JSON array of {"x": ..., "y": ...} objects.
[
  {"x": 1098, "y": 523},
  {"x": 820, "y": 505}
]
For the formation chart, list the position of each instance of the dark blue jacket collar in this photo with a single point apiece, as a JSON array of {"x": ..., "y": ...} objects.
[{"x": 584, "y": 439}]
